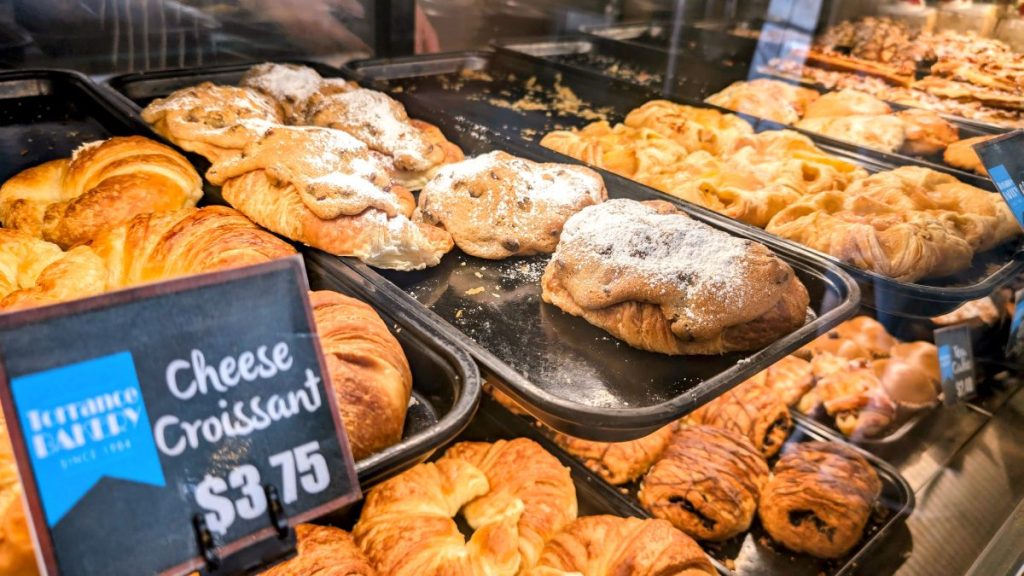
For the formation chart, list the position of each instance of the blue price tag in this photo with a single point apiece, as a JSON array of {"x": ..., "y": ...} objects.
[
  {"x": 1003, "y": 158},
  {"x": 1015, "y": 345},
  {"x": 1010, "y": 190}
]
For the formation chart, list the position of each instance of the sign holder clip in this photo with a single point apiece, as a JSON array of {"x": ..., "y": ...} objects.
[{"x": 262, "y": 554}]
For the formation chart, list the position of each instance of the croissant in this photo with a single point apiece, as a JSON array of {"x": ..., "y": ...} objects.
[
  {"x": 819, "y": 499},
  {"x": 692, "y": 128},
  {"x": 610, "y": 546},
  {"x": 406, "y": 526},
  {"x": 330, "y": 192},
  {"x": 519, "y": 470},
  {"x": 213, "y": 121},
  {"x": 34, "y": 272},
  {"x": 324, "y": 551},
  {"x": 651, "y": 276},
  {"x": 369, "y": 372},
  {"x": 907, "y": 224},
  {"x": 706, "y": 484},
  {"x": 752, "y": 409},
  {"x": 103, "y": 184},
  {"x": 17, "y": 554},
  {"x": 618, "y": 462},
  {"x": 497, "y": 206}
]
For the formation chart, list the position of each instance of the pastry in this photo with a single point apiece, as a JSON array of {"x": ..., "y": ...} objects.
[
  {"x": 819, "y": 499},
  {"x": 790, "y": 378},
  {"x": 630, "y": 152},
  {"x": 17, "y": 553},
  {"x": 753, "y": 410},
  {"x": 852, "y": 394},
  {"x": 706, "y": 484},
  {"x": 519, "y": 471},
  {"x": 957, "y": 90},
  {"x": 292, "y": 86},
  {"x": 406, "y": 527},
  {"x": 324, "y": 551},
  {"x": 983, "y": 309},
  {"x": 209, "y": 119},
  {"x": 896, "y": 75},
  {"x": 885, "y": 133},
  {"x": 910, "y": 376},
  {"x": 618, "y": 462},
  {"x": 330, "y": 192},
  {"x": 860, "y": 337},
  {"x": 611, "y": 546},
  {"x": 692, "y": 128},
  {"x": 846, "y": 102},
  {"x": 34, "y": 272},
  {"x": 962, "y": 155},
  {"x": 906, "y": 224},
  {"x": 881, "y": 40},
  {"x": 660, "y": 281},
  {"x": 496, "y": 205},
  {"x": 368, "y": 370},
  {"x": 926, "y": 133},
  {"x": 774, "y": 100},
  {"x": 103, "y": 185}
]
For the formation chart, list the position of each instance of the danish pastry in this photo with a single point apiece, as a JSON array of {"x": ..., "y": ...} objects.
[
  {"x": 692, "y": 128},
  {"x": 497, "y": 206},
  {"x": 885, "y": 133},
  {"x": 104, "y": 184},
  {"x": 707, "y": 483},
  {"x": 925, "y": 132},
  {"x": 774, "y": 100},
  {"x": 618, "y": 462},
  {"x": 324, "y": 551},
  {"x": 612, "y": 546},
  {"x": 819, "y": 499},
  {"x": 520, "y": 471},
  {"x": 752, "y": 409},
  {"x": 660, "y": 281},
  {"x": 846, "y": 102},
  {"x": 636, "y": 153}
]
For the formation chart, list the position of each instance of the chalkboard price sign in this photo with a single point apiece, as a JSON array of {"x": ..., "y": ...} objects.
[
  {"x": 956, "y": 363},
  {"x": 1003, "y": 158},
  {"x": 189, "y": 419}
]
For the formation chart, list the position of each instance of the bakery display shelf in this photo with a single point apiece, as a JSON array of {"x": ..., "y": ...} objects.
[
  {"x": 708, "y": 43},
  {"x": 482, "y": 87},
  {"x": 568, "y": 371},
  {"x": 753, "y": 553},
  {"x": 446, "y": 383},
  {"x": 46, "y": 114},
  {"x": 689, "y": 80}
]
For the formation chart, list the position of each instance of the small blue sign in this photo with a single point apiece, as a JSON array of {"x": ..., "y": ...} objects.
[
  {"x": 1015, "y": 345},
  {"x": 1010, "y": 190},
  {"x": 82, "y": 422}
]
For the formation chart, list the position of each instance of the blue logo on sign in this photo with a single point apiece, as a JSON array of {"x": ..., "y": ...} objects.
[
  {"x": 1009, "y": 189},
  {"x": 82, "y": 422},
  {"x": 946, "y": 362}
]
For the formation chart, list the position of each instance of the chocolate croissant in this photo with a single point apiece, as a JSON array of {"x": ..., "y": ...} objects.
[
  {"x": 612, "y": 546},
  {"x": 324, "y": 551},
  {"x": 618, "y": 462},
  {"x": 706, "y": 484},
  {"x": 819, "y": 499},
  {"x": 660, "y": 281},
  {"x": 751, "y": 409}
]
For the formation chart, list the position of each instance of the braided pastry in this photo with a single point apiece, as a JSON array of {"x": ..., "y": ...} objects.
[
  {"x": 618, "y": 462},
  {"x": 519, "y": 470},
  {"x": 211, "y": 120},
  {"x": 324, "y": 551},
  {"x": 406, "y": 526},
  {"x": 103, "y": 185},
  {"x": 706, "y": 484},
  {"x": 819, "y": 499},
  {"x": 369, "y": 372},
  {"x": 752, "y": 409},
  {"x": 612, "y": 546}
]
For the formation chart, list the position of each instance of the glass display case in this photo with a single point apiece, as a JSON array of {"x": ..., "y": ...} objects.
[{"x": 600, "y": 287}]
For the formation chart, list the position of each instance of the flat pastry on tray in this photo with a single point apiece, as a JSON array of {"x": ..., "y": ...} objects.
[
  {"x": 906, "y": 224},
  {"x": 819, "y": 499},
  {"x": 781, "y": 102},
  {"x": 653, "y": 277},
  {"x": 496, "y": 205}
]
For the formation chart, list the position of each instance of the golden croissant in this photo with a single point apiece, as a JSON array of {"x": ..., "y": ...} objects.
[
  {"x": 324, "y": 551},
  {"x": 104, "y": 184}
]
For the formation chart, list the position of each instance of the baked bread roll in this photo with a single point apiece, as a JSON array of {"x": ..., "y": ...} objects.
[
  {"x": 324, "y": 551},
  {"x": 496, "y": 205},
  {"x": 790, "y": 378},
  {"x": 774, "y": 100},
  {"x": 753, "y": 410},
  {"x": 612, "y": 546},
  {"x": 35, "y": 273},
  {"x": 961, "y": 154},
  {"x": 819, "y": 499},
  {"x": 211, "y": 120},
  {"x": 521, "y": 471},
  {"x": 17, "y": 554},
  {"x": 369, "y": 372},
  {"x": 103, "y": 185},
  {"x": 406, "y": 526},
  {"x": 331, "y": 192},
  {"x": 692, "y": 128},
  {"x": 706, "y": 484},
  {"x": 907, "y": 224},
  {"x": 618, "y": 462},
  {"x": 926, "y": 133},
  {"x": 660, "y": 281}
]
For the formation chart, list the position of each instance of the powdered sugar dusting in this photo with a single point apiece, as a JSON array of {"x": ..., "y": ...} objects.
[{"x": 284, "y": 82}]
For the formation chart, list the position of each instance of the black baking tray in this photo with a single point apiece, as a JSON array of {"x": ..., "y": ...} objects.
[
  {"x": 753, "y": 553},
  {"x": 439, "y": 85},
  {"x": 46, "y": 114},
  {"x": 690, "y": 80},
  {"x": 572, "y": 375}
]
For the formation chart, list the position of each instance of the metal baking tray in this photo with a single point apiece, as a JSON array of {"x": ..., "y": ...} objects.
[
  {"x": 572, "y": 375},
  {"x": 477, "y": 87},
  {"x": 753, "y": 553},
  {"x": 47, "y": 114},
  {"x": 690, "y": 80},
  {"x": 707, "y": 43}
]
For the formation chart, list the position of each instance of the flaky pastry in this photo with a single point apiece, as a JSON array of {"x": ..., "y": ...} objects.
[
  {"x": 751, "y": 409},
  {"x": 690, "y": 127},
  {"x": 618, "y": 462},
  {"x": 765, "y": 98},
  {"x": 324, "y": 551}
]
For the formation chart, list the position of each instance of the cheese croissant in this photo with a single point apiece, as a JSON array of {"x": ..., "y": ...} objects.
[{"x": 103, "y": 184}]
